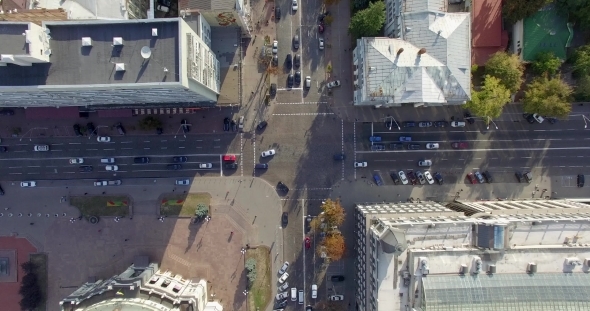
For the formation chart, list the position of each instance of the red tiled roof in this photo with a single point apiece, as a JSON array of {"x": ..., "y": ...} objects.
[
  {"x": 51, "y": 113},
  {"x": 20, "y": 5},
  {"x": 486, "y": 30},
  {"x": 23, "y": 248}
]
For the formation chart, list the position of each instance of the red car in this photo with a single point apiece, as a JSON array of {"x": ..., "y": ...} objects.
[
  {"x": 461, "y": 145},
  {"x": 471, "y": 178},
  {"x": 321, "y": 28},
  {"x": 307, "y": 243},
  {"x": 229, "y": 158}
]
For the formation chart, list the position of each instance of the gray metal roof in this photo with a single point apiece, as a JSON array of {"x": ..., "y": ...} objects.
[
  {"x": 74, "y": 64},
  {"x": 211, "y": 4},
  {"x": 13, "y": 41}
]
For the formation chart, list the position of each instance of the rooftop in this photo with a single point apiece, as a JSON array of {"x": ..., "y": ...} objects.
[
  {"x": 89, "y": 9},
  {"x": 208, "y": 4},
  {"x": 546, "y": 30},
  {"x": 11, "y": 36},
  {"x": 488, "y": 36},
  {"x": 75, "y": 64},
  {"x": 37, "y": 16}
]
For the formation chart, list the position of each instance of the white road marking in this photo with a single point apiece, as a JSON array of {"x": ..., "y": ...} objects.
[{"x": 471, "y": 150}]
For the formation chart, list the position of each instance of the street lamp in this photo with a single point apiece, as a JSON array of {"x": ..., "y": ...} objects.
[
  {"x": 181, "y": 126},
  {"x": 391, "y": 123},
  {"x": 585, "y": 119},
  {"x": 490, "y": 120}
]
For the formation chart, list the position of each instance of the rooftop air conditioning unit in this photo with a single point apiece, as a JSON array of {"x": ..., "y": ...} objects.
[
  {"x": 531, "y": 267},
  {"x": 154, "y": 32},
  {"x": 492, "y": 269},
  {"x": 117, "y": 41},
  {"x": 120, "y": 67},
  {"x": 86, "y": 41}
]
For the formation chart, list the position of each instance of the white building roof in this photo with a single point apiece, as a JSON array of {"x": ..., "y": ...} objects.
[{"x": 89, "y": 9}]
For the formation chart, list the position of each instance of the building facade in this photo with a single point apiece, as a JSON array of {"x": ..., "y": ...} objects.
[
  {"x": 221, "y": 13},
  {"x": 504, "y": 255},
  {"x": 425, "y": 61},
  {"x": 141, "y": 287},
  {"x": 106, "y": 64}
]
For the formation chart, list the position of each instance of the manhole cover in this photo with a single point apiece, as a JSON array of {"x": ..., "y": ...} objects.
[{"x": 93, "y": 220}]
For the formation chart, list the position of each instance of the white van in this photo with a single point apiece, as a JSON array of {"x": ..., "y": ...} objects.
[
  {"x": 300, "y": 297},
  {"x": 107, "y": 160},
  {"x": 293, "y": 293}
]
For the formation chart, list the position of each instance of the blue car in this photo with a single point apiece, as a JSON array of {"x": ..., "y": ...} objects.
[
  {"x": 378, "y": 180},
  {"x": 405, "y": 138},
  {"x": 375, "y": 138}
]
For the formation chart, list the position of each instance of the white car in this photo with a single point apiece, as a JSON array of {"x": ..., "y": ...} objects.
[
  {"x": 283, "y": 295},
  {"x": 268, "y": 153},
  {"x": 100, "y": 183},
  {"x": 205, "y": 165},
  {"x": 284, "y": 268},
  {"x": 295, "y": 5},
  {"x": 103, "y": 139},
  {"x": 457, "y": 124},
  {"x": 183, "y": 182},
  {"x": 425, "y": 163},
  {"x": 283, "y": 277},
  {"x": 283, "y": 287},
  {"x": 321, "y": 42},
  {"x": 538, "y": 118},
  {"x": 314, "y": 291},
  {"x": 428, "y": 177},
  {"x": 76, "y": 161},
  {"x": 360, "y": 164},
  {"x": 275, "y": 47},
  {"x": 337, "y": 297},
  {"x": 402, "y": 177},
  {"x": 333, "y": 84},
  {"x": 27, "y": 184},
  {"x": 112, "y": 167},
  {"x": 432, "y": 146},
  {"x": 41, "y": 148}
]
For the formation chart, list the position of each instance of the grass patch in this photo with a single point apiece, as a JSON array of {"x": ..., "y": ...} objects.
[
  {"x": 40, "y": 260},
  {"x": 260, "y": 291},
  {"x": 101, "y": 205},
  {"x": 183, "y": 205}
]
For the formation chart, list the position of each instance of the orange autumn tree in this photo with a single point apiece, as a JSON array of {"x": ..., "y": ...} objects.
[
  {"x": 333, "y": 213},
  {"x": 333, "y": 245}
]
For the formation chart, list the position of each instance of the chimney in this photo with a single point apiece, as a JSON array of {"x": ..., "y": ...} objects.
[
  {"x": 421, "y": 51},
  {"x": 400, "y": 51}
]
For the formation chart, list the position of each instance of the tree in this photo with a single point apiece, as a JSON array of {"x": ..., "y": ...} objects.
[
  {"x": 508, "y": 68},
  {"x": 150, "y": 123},
  {"x": 333, "y": 213},
  {"x": 548, "y": 97},
  {"x": 28, "y": 267},
  {"x": 583, "y": 89},
  {"x": 490, "y": 100},
  {"x": 250, "y": 265},
  {"x": 360, "y": 4},
  {"x": 368, "y": 22},
  {"x": 581, "y": 61},
  {"x": 578, "y": 11},
  {"x": 202, "y": 210},
  {"x": 546, "y": 63},
  {"x": 30, "y": 290},
  {"x": 515, "y": 10},
  {"x": 333, "y": 245}
]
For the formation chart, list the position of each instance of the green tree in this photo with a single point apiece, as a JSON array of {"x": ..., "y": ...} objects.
[
  {"x": 515, "y": 10},
  {"x": 250, "y": 265},
  {"x": 581, "y": 61},
  {"x": 508, "y": 68},
  {"x": 546, "y": 62},
  {"x": 368, "y": 22},
  {"x": 333, "y": 213},
  {"x": 578, "y": 11},
  {"x": 490, "y": 100},
  {"x": 202, "y": 210},
  {"x": 30, "y": 290},
  {"x": 150, "y": 123},
  {"x": 548, "y": 97},
  {"x": 582, "y": 92}
]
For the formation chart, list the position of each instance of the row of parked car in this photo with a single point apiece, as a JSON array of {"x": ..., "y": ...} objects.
[
  {"x": 412, "y": 177},
  {"x": 378, "y": 146}
]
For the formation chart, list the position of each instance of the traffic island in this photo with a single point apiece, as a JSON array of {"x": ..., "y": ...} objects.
[
  {"x": 259, "y": 287},
  {"x": 114, "y": 206},
  {"x": 186, "y": 205}
]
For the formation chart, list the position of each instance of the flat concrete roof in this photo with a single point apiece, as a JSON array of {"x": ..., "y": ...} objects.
[
  {"x": 13, "y": 41},
  {"x": 74, "y": 64}
]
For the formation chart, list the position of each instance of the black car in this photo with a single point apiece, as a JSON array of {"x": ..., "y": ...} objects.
[
  {"x": 529, "y": 117},
  {"x": 273, "y": 90},
  {"x": 339, "y": 157},
  {"x": 297, "y": 77},
  {"x": 289, "y": 62},
  {"x": 409, "y": 124},
  {"x": 262, "y": 125},
  {"x": 1, "y": 191},
  {"x": 277, "y": 12},
  {"x": 412, "y": 177},
  {"x": 396, "y": 146},
  {"x": 285, "y": 218},
  {"x": 141, "y": 160},
  {"x": 159, "y": 131},
  {"x": 181, "y": 159},
  {"x": 438, "y": 177},
  {"x": 275, "y": 60},
  {"x": 309, "y": 308},
  {"x": 337, "y": 278},
  {"x": 234, "y": 126},
  {"x": 290, "y": 80},
  {"x": 467, "y": 116},
  {"x": 580, "y": 180},
  {"x": 120, "y": 128},
  {"x": 85, "y": 168},
  {"x": 551, "y": 120},
  {"x": 441, "y": 123},
  {"x": 261, "y": 165},
  {"x": 296, "y": 42},
  {"x": 488, "y": 177},
  {"x": 297, "y": 60},
  {"x": 519, "y": 176},
  {"x": 3, "y": 149},
  {"x": 231, "y": 166},
  {"x": 90, "y": 128},
  {"x": 77, "y": 130},
  {"x": 226, "y": 124},
  {"x": 174, "y": 167},
  {"x": 282, "y": 187},
  {"x": 6, "y": 112},
  {"x": 185, "y": 126},
  {"x": 281, "y": 304},
  {"x": 395, "y": 177},
  {"x": 413, "y": 146}
]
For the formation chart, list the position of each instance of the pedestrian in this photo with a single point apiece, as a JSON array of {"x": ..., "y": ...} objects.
[
  {"x": 126, "y": 240},
  {"x": 32, "y": 223},
  {"x": 99, "y": 230}
]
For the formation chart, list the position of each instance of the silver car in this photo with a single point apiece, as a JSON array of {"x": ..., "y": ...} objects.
[
  {"x": 283, "y": 295},
  {"x": 420, "y": 177},
  {"x": 425, "y": 163}
]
